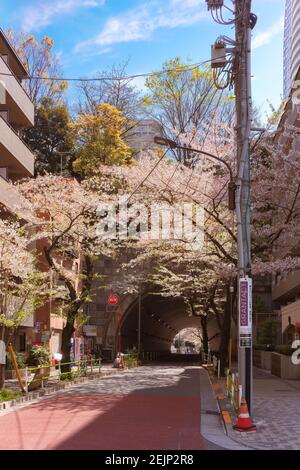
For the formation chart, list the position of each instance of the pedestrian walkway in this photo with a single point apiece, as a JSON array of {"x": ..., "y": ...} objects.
[
  {"x": 13, "y": 384},
  {"x": 276, "y": 413}
]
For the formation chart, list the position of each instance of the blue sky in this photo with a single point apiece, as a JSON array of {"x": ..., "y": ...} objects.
[{"x": 91, "y": 35}]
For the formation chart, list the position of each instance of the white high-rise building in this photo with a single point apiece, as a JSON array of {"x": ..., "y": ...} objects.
[{"x": 291, "y": 51}]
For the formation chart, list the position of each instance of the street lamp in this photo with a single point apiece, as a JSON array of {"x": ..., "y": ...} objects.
[{"x": 231, "y": 185}]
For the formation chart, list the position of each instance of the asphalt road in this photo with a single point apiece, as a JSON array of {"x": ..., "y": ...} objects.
[{"x": 149, "y": 408}]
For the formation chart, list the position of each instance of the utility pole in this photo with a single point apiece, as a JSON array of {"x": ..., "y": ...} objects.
[
  {"x": 243, "y": 129},
  {"x": 233, "y": 66}
]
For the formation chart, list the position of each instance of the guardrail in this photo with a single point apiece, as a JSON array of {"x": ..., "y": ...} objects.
[
  {"x": 42, "y": 374},
  {"x": 234, "y": 390}
]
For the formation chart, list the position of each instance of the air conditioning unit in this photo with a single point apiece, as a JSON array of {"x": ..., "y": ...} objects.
[
  {"x": 218, "y": 55},
  {"x": 213, "y": 4}
]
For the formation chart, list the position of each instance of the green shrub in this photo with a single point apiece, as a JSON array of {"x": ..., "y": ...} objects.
[
  {"x": 21, "y": 361},
  {"x": 284, "y": 349},
  {"x": 267, "y": 332},
  {"x": 131, "y": 360},
  {"x": 38, "y": 356},
  {"x": 6, "y": 394},
  {"x": 71, "y": 375},
  {"x": 264, "y": 347}
]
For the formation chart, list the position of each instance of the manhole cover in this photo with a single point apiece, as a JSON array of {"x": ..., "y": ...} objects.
[{"x": 282, "y": 390}]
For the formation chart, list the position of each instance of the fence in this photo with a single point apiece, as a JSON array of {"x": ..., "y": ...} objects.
[
  {"x": 234, "y": 390},
  {"x": 206, "y": 358},
  {"x": 149, "y": 355},
  {"x": 216, "y": 364},
  {"x": 38, "y": 376}
]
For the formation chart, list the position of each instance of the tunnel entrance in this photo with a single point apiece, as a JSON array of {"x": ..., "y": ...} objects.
[
  {"x": 187, "y": 341},
  {"x": 161, "y": 320}
]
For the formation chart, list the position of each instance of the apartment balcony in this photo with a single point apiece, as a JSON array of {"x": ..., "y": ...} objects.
[
  {"x": 15, "y": 100},
  {"x": 15, "y": 156},
  {"x": 287, "y": 287}
]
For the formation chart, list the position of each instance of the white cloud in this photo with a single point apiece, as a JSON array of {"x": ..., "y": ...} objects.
[
  {"x": 141, "y": 22},
  {"x": 265, "y": 37},
  {"x": 42, "y": 14}
]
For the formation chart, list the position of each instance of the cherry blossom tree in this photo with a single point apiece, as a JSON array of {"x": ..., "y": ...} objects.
[
  {"x": 67, "y": 222},
  {"x": 152, "y": 179},
  {"x": 22, "y": 286}
]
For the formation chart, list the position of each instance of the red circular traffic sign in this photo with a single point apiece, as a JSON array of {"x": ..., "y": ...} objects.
[{"x": 113, "y": 299}]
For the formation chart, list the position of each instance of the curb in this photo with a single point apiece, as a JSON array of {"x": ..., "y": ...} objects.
[
  {"x": 32, "y": 396},
  {"x": 213, "y": 426}
]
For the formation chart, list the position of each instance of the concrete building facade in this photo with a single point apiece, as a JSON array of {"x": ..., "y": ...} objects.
[
  {"x": 141, "y": 137},
  {"x": 291, "y": 48},
  {"x": 16, "y": 159}
]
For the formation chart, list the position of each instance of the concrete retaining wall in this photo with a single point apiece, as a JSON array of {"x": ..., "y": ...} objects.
[
  {"x": 262, "y": 359},
  {"x": 279, "y": 364}
]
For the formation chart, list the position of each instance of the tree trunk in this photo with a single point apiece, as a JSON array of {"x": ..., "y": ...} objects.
[
  {"x": 204, "y": 333},
  {"x": 2, "y": 375},
  {"x": 67, "y": 334},
  {"x": 2, "y": 366}
]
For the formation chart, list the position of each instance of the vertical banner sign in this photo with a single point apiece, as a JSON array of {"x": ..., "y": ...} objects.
[{"x": 245, "y": 311}]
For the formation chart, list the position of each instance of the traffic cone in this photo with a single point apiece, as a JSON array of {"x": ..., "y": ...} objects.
[{"x": 244, "y": 422}]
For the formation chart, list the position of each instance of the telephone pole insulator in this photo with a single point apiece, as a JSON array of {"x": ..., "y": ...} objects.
[{"x": 214, "y": 4}]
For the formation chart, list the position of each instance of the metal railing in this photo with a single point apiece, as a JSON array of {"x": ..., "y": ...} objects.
[
  {"x": 18, "y": 79},
  {"x": 149, "y": 355},
  {"x": 43, "y": 373},
  {"x": 233, "y": 388},
  {"x": 206, "y": 358},
  {"x": 20, "y": 137},
  {"x": 216, "y": 365}
]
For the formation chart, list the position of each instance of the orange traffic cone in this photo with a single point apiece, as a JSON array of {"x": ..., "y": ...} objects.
[{"x": 244, "y": 422}]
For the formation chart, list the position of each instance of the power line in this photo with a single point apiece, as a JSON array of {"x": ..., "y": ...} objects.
[{"x": 184, "y": 68}]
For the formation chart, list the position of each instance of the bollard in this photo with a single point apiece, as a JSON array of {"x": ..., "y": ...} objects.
[
  {"x": 240, "y": 394},
  {"x": 227, "y": 381},
  {"x": 232, "y": 388},
  {"x": 236, "y": 394},
  {"x": 219, "y": 368},
  {"x": 99, "y": 366}
]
